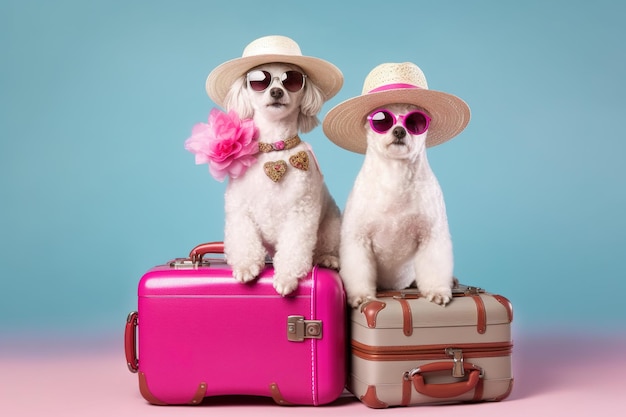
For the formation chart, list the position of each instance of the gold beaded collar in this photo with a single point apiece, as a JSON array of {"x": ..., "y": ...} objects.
[{"x": 281, "y": 145}]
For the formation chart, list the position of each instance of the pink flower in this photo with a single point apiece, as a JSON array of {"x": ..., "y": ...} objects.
[{"x": 226, "y": 143}]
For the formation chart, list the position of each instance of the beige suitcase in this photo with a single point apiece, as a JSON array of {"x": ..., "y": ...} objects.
[{"x": 406, "y": 350}]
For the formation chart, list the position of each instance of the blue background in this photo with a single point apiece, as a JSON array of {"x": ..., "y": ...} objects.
[{"x": 97, "y": 99}]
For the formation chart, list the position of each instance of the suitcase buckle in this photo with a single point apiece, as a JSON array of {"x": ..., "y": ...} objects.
[
  {"x": 299, "y": 329},
  {"x": 457, "y": 356},
  {"x": 186, "y": 263}
]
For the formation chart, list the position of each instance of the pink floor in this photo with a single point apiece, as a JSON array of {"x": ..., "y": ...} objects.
[{"x": 554, "y": 375}]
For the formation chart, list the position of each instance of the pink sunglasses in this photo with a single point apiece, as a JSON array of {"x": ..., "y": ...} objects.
[{"x": 415, "y": 122}]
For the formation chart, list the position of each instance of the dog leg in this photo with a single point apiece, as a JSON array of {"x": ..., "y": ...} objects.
[
  {"x": 291, "y": 263},
  {"x": 293, "y": 259},
  {"x": 358, "y": 271},
  {"x": 328, "y": 237},
  {"x": 243, "y": 248},
  {"x": 434, "y": 268}
]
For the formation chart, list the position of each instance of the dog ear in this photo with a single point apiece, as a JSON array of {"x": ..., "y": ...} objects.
[
  {"x": 237, "y": 99},
  {"x": 311, "y": 105}
]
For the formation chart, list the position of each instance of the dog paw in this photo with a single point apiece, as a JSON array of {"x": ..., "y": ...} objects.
[
  {"x": 356, "y": 300},
  {"x": 328, "y": 261},
  {"x": 441, "y": 298},
  {"x": 285, "y": 286},
  {"x": 244, "y": 275}
]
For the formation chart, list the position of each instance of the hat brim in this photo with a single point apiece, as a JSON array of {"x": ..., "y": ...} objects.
[
  {"x": 324, "y": 74},
  {"x": 345, "y": 123}
]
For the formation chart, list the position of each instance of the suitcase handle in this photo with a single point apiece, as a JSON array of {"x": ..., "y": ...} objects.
[
  {"x": 450, "y": 390},
  {"x": 130, "y": 342},
  {"x": 202, "y": 249}
]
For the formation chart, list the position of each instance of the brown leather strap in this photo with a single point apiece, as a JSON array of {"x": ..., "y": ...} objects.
[
  {"x": 481, "y": 314},
  {"x": 407, "y": 388},
  {"x": 507, "y": 305},
  {"x": 407, "y": 317}
]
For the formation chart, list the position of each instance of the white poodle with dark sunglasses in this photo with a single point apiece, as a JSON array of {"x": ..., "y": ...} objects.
[
  {"x": 281, "y": 206},
  {"x": 395, "y": 230}
]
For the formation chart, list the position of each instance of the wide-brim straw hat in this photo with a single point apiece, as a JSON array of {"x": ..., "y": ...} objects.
[
  {"x": 270, "y": 49},
  {"x": 395, "y": 83}
]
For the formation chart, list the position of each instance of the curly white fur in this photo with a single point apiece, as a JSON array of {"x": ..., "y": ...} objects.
[
  {"x": 295, "y": 220},
  {"x": 395, "y": 230}
]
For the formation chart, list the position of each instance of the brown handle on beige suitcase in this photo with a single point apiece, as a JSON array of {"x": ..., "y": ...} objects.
[{"x": 449, "y": 390}]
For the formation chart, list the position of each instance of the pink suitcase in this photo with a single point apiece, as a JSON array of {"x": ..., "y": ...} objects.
[{"x": 197, "y": 333}]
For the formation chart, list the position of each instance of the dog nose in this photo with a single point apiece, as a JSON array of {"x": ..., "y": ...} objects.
[
  {"x": 399, "y": 132},
  {"x": 276, "y": 93}
]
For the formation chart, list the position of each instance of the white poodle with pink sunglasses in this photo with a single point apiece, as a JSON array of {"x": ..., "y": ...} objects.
[{"x": 394, "y": 232}]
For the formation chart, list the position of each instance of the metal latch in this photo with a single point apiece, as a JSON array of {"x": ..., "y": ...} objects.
[
  {"x": 473, "y": 290},
  {"x": 299, "y": 329},
  {"x": 466, "y": 290},
  {"x": 187, "y": 263},
  {"x": 457, "y": 356}
]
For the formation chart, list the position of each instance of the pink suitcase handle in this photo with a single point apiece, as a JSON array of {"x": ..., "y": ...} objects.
[
  {"x": 450, "y": 390},
  {"x": 130, "y": 342},
  {"x": 202, "y": 249},
  {"x": 130, "y": 332}
]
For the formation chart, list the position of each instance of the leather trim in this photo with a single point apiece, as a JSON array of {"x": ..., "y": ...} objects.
[
  {"x": 407, "y": 388},
  {"x": 277, "y": 396},
  {"x": 429, "y": 352},
  {"x": 200, "y": 393},
  {"x": 506, "y": 303},
  {"x": 407, "y": 317},
  {"x": 145, "y": 391},
  {"x": 370, "y": 310},
  {"x": 481, "y": 314},
  {"x": 479, "y": 391},
  {"x": 370, "y": 398}
]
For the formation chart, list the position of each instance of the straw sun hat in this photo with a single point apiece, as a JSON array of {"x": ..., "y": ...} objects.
[
  {"x": 395, "y": 83},
  {"x": 270, "y": 49}
]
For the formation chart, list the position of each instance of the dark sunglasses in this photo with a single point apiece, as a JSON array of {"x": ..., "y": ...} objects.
[
  {"x": 415, "y": 122},
  {"x": 259, "y": 80}
]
